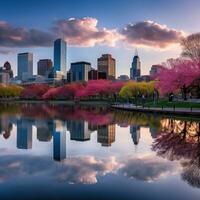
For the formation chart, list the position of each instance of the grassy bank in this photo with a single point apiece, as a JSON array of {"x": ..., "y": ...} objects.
[{"x": 178, "y": 104}]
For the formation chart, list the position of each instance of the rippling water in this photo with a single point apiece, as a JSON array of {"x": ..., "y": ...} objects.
[{"x": 63, "y": 152}]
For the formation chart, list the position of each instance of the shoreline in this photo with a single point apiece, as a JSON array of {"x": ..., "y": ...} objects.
[
  {"x": 168, "y": 111},
  {"x": 66, "y": 102},
  {"x": 126, "y": 107}
]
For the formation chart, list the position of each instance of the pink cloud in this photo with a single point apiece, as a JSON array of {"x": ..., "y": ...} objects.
[
  {"x": 151, "y": 34},
  {"x": 84, "y": 32}
]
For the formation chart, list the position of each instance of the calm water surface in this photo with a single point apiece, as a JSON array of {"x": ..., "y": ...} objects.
[{"x": 61, "y": 152}]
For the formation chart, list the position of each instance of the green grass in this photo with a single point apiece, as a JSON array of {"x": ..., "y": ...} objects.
[{"x": 178, "y": 104}]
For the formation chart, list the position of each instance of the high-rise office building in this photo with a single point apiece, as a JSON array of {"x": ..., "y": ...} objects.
[
  {"x": 93, "y": 74},
  {"x": 155, "y": 69},
  {"x": 107, "y": 64},
  {"x": 25, "y": 66},
  {"x": 60, "y": 56},
  {"x": 106, "y": 134},
  {"x": 135, "y": 71},
  {"x": 44, "y": 67},
  {"x": 79, "y": 71}
]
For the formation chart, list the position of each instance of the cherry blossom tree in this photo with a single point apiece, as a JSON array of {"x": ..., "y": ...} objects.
[
  {"x": 177, "y": 75},
  {"x": 34, "y": 91}
]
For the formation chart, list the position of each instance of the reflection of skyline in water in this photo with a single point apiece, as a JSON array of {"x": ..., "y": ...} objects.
[
  {"x": 55, "y": 129},
  {"x": 173, "y": 139}
]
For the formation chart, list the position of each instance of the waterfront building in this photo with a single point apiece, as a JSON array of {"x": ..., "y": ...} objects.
[
  {"x": 93, "y": 74},
  {"x": 60, "y": 56},
  {"x": 79, "y": 71},
  {"x": 102, "y": 75},
  {"x": 123, "y": 78},
  {"x": 4, "y": 77},
  {"x": 107, "y": 64},
  {"x": 145, "y": 78},
  {"x": 24, "y": 66},
  {"x": 44, "y": 67},
  {"x": 6, "y": 73},
  {"x": 135, "y": 70},
  {"x": 154, "y": 70}
]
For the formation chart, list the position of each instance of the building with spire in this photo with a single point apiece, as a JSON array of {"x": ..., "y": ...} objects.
[{"x": 135, "y": 71}]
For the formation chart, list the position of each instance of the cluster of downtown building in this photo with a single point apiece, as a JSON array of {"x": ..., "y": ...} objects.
[{"x": 49, "y": 72}]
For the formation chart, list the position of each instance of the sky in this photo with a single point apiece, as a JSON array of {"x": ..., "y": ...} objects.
[{"x": 95, "y": 27}]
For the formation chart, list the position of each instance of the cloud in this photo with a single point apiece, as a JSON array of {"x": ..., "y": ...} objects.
[
  {"x": 5, "y": 51},
  {"x": 84, "y": 32},
  {"x": 11, "y": 36},
  {"x": 151, "y": 34},
  {"x": 148, "y": 168}
]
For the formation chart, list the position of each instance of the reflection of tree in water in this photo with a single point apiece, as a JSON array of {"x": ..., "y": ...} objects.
[
  {"x": 180, "y": 140},
  {"x": 140, "y": 119}
]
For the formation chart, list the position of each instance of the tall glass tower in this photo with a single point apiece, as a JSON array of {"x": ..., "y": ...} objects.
[
  {"x": 135, "y": 71},
  {"x": 60, "y": 55},
  {"x": 24, "y": 66}
]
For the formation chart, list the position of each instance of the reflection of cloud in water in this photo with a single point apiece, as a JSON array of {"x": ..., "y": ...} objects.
[
  {"x": 148, "y": 168},
  {"x": 72, "y": 170},
  {"x": 84, "y": 169}
]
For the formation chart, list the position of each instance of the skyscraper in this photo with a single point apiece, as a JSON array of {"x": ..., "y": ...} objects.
[
  {"x": 60, "y": 56},
  {"x": 25, "y": 66},
  {"x": 79, "y": 71},
  {"x": 44, "y": 66},
  {"x": 135, "y": 71},
  {"x": 107, "y": 64},
  {"x": 155, "y": 69}
]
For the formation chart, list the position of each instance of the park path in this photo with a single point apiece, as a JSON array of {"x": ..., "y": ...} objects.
[{"x": 178, "y": 111}]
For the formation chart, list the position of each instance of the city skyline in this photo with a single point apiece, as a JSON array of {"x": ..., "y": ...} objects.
[{"x": 96, "y": 33}]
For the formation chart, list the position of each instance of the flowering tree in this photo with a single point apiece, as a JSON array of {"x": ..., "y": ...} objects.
[
  {"x": 34, "y": 91},
  {"x": 177, "y": 75},
  {"x": 99, "y": 88},
  {"x": 67, "y": 91}
]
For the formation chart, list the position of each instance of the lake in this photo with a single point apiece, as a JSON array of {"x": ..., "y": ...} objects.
[{"x": 55, "y": 151}]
